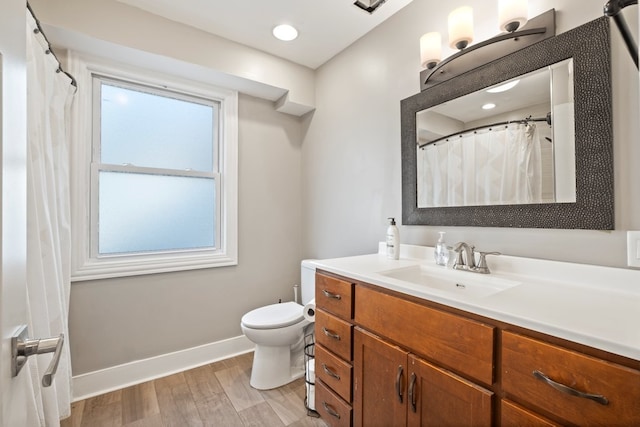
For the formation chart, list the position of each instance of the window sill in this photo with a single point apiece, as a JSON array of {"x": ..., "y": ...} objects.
[{"x": 106, "y": 268}]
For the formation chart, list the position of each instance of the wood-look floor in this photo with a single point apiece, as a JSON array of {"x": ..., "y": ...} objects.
[{"x": 217, "y": 394}]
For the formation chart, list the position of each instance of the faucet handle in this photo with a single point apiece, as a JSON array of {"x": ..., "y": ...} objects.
[{"x": 482, "y": 262}]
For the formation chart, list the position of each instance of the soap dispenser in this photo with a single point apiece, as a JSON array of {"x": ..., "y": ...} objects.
[
  {"x": 393, "y": 240},
  {"x": 441, "y": 252}
]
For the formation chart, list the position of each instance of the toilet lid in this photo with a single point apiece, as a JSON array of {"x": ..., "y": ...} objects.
[{"x": 274, "y": 316}]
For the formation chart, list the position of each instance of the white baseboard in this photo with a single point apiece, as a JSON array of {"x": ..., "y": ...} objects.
[{"x": 128, "y": 374}]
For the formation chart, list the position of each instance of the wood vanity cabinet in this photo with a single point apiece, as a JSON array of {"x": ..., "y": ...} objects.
[
  {"x": 400, "y": 360},
  {"x": 333, "y": 350},
  {"x": 394, "y": 386}
]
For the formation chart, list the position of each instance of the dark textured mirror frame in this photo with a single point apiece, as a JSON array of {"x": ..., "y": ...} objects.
[{"x": 589, "y": 45}]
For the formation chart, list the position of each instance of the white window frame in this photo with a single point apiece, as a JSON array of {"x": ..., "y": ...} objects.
[{"x": 86, "y": 263}]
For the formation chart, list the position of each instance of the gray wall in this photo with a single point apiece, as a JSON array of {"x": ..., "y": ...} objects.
[
  {"x": 352, "y": 150},
  {"x": 120, "y": 320}
]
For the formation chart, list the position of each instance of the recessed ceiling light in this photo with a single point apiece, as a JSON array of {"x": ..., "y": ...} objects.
[
  {"x": 285, "y": 32},
  {"x": 504, "y": 87},
  {"x": 488, "y": 106}
]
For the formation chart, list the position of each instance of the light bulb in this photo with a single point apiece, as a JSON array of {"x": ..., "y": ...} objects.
[
  {"x": 430, "y": 49},
  {"x": 512, "y": 14},
  {"x": 461, "y": 27}
]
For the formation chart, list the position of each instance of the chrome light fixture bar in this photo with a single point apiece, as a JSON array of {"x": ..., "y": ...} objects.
[
  {"x": 612, "y": 9},
  {"x": 536, "y": 29}
]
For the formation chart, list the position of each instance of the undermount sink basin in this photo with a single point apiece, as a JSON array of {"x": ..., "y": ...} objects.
[{"x": 452, "y": 281}]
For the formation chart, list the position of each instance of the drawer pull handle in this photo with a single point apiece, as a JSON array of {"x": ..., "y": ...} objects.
[
  {"x": 331, "y": 295},
  {"x": 330, "y": 372},
  {"x": 412, "y": 392},
  {"x": 330, "y": 410},
  {"x": 331, "y": 334},
  {"x": 568, "y": 390},
  {"x": 399, "y": 382}
]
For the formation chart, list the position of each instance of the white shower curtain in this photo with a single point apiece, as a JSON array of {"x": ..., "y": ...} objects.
[
  {"x": 49, "y": 95},
  {"x": 491, "y": 166}
]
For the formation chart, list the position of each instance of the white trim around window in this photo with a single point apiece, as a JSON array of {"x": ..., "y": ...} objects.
[{"x": 86, "y": 265}]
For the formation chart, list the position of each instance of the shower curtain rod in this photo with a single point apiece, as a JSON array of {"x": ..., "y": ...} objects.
[
  {"x": 612, "y": 9},
  {"x": 49, "y": 49},
  {"x": 523, "y": 121}
]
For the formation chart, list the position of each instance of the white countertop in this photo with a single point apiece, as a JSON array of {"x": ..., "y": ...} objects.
[{"x": 591, "y": 305}]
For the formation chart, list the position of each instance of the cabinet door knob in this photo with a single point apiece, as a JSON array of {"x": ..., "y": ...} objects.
[
  {"x": 571, "y": 391},
  {"x": 399, "y": 383}
]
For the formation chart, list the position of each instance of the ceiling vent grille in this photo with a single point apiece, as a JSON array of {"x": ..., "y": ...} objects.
[{"x": 369, "y": 5}]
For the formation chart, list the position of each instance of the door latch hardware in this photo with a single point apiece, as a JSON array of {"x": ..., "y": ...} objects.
[{"x": 22, "y": 347}]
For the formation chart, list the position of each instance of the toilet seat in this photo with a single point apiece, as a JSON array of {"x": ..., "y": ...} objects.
[{"x": 274, "y": 316}]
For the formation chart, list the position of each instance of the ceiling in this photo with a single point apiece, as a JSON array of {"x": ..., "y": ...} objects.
[{"x": 325, "y": 27}]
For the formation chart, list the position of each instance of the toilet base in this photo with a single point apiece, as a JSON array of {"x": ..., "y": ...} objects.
[{"x": 272, "y": 367}]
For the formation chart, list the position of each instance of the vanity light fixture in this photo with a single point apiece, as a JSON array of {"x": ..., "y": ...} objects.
[
  {"x": 521, "y": 32},
  {"x": 285, "y": 32}
]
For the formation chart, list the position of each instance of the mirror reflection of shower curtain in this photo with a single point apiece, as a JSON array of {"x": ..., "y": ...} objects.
[{"x": 501, "y": 164}]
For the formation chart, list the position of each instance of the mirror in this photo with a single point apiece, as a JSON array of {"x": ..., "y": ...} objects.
[
  {"x": 497, "y": 146},
  {"x": 557, "y": 119}
]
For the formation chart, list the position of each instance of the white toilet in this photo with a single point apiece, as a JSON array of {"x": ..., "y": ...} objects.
[{"x": 278, "y": 332}]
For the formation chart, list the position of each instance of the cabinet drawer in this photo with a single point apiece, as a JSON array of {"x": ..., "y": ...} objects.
[
  {"x": 463, "y": 345},
  {"x": 334, "y": 334},
  {"x": 335, "y": 296},
  {"x": 333, "y": 410},
  {"x": 334, "y": 372},
  {"x": 516, "y": 416},
  {"x": 574, "y": 382}
]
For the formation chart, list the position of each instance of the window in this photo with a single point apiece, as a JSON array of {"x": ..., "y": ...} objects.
[{"x": 162, "y": 175}]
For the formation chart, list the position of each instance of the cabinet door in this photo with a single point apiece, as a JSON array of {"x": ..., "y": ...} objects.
[
  {"x": 437, "y": 398},
  {"x": 379, "y": 383}
]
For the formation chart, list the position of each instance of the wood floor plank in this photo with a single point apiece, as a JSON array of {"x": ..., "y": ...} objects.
[
  {"x": 218, "y": 411},
  {"x": 176, "y": 403},
  {"x": 75, "y": 419},
  {"x": 289, "y": 407},
  {"x": 235, "y": 383},
  {"x": 309, "y": 422},
  {"x": 260, "y": 415},
  {"x": 138, "y": 402},
  {"x": 103, "y": 411},
  {"x": 203, "y": 383},
  {"x": 152, "y": 421}
]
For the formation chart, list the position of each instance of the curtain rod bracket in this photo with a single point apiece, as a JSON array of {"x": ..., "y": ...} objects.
[{"x": 612, "y": 10}]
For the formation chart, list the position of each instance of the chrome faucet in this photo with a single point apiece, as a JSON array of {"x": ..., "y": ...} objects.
[
  {"x": 466, "y": 259},
  {"x": 465, "y": 256}
]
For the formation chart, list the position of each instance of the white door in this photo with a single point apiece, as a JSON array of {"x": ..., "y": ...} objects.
[{"x": 14, "y": 392}]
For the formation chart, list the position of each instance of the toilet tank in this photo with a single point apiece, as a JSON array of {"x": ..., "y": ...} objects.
[{"x": 307, "y": 280}]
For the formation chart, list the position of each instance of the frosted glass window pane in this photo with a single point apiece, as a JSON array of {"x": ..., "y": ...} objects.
[
  {"x": 155, "y": 131},
  {"x": 140, "y": 213}
]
